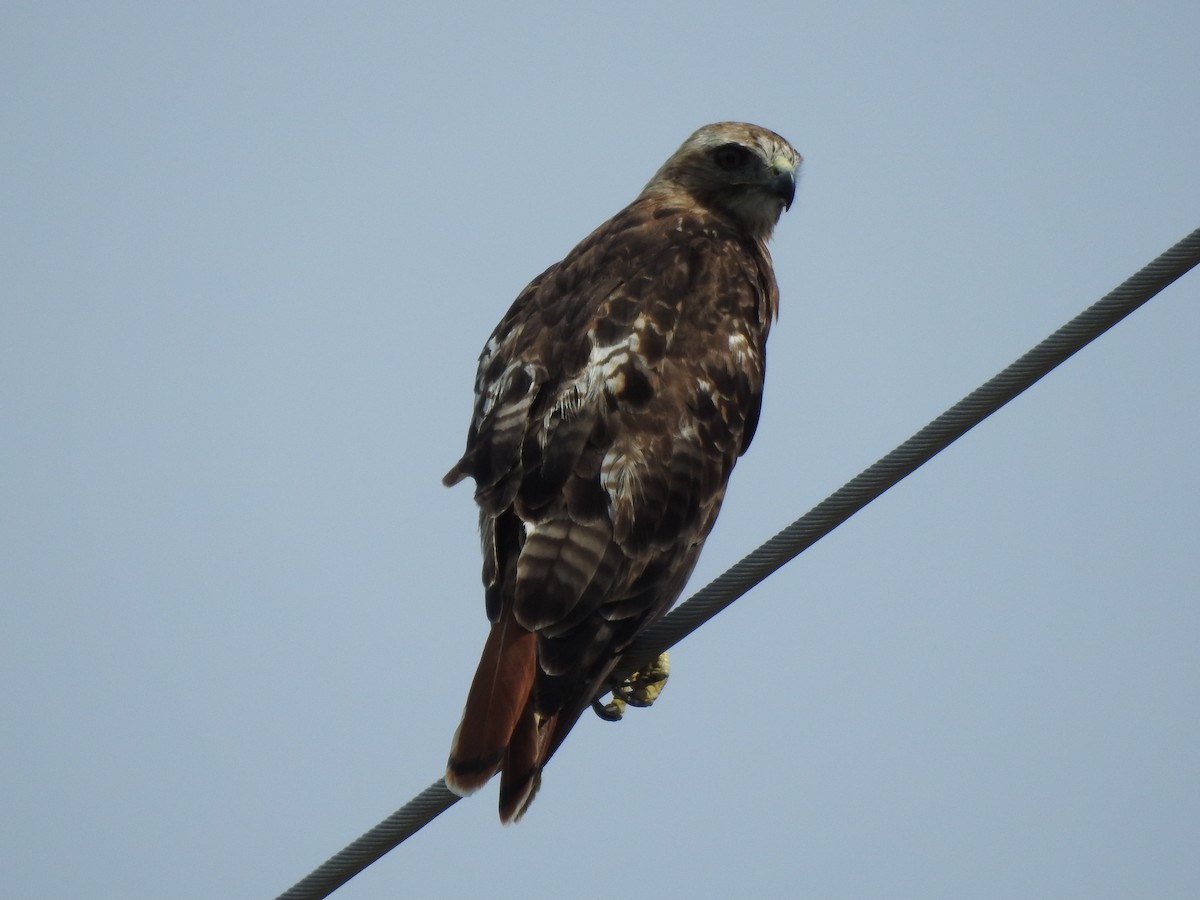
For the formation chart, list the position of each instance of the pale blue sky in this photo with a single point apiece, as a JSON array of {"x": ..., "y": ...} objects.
[{"x": 249, "y": 254}]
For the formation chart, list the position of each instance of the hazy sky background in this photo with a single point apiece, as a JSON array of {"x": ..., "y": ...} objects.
[{"x": 250, "y": 253}]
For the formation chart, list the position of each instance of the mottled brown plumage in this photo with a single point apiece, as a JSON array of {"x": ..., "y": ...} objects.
[{"x": 612, "y": 401}]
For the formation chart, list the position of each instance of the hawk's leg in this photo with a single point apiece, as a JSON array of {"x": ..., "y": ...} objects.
[{"x": 639, "y": 689}]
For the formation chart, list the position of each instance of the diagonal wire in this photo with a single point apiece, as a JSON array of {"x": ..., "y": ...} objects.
[
  {"x": 371, "y": 846},
  {"x": 801, "y": 534}
]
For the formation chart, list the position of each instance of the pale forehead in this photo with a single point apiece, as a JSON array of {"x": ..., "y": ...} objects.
[{"x": 770, "y": 143}]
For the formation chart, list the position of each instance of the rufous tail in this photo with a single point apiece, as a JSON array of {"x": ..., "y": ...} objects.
[
  {"x": 521, "y": 770},
  {"x": 498, "y": 705}
]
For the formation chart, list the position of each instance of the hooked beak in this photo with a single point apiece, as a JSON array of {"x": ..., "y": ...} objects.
[{"x": 783, "y": 186}]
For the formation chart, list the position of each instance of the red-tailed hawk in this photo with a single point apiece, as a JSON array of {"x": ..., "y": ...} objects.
[{"x": 610, "y": 405}]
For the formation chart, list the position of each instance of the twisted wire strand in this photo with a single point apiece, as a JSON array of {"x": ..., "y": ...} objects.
[
  {"x": 801, "y": 534},
  {"x": 374, "y": 844}
]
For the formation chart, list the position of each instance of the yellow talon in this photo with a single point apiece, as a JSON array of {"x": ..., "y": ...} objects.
[{"x": 640, "y": 689}]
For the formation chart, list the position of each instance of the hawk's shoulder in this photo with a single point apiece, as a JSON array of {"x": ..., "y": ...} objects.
[{"x": 641, "y": 349}]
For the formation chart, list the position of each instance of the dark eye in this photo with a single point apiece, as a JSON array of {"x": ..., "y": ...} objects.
[{"x": 731, "y": 156}]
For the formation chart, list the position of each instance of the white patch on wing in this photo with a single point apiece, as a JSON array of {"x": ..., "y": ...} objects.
[
  {"x": 499, "y": 387},
  {"x": 619, "y": 475},
  {"x": 496, "y": 343},
  {"x": 739, "y": 349},
  {"x": 602, "y": 373},
  {"x": 490, "y": 348},
  {"x": 568, "y": 403}
]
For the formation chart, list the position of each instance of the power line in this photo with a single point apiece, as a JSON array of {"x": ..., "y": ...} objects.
[
  {"x": 803, "y": 533},
  {"x": 384, "y": 837}
]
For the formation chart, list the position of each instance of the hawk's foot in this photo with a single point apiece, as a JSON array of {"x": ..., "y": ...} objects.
[{"x": 640, "y": 689}]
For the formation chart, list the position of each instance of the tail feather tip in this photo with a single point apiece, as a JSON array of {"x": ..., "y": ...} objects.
[{"x": 465, "y": 780}]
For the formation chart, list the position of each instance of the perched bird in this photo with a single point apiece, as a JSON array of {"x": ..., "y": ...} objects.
[{"x": 611, "y": 403}]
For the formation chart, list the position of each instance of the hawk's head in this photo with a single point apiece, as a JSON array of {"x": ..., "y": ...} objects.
[{"x": 741, "y": 170}]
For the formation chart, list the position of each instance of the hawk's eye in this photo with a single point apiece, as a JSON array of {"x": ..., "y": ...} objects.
[{"x": 731, "y": 156}]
